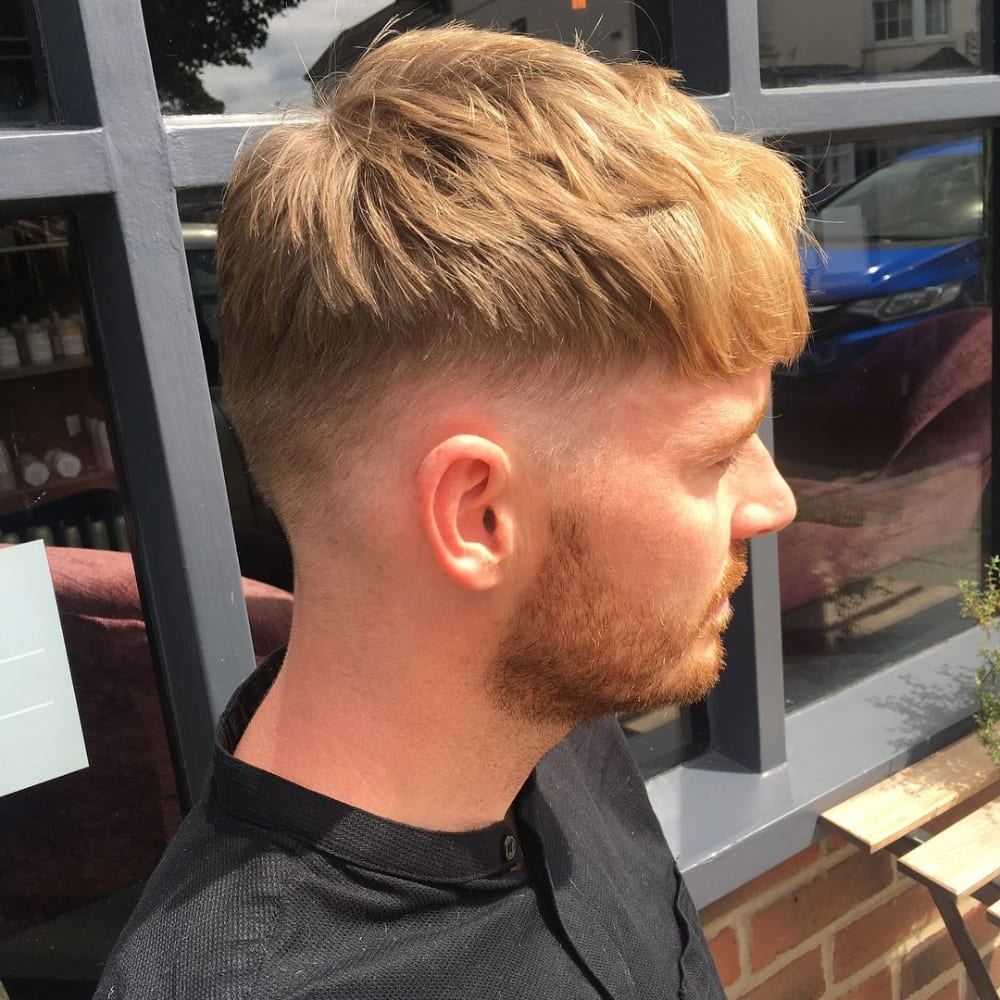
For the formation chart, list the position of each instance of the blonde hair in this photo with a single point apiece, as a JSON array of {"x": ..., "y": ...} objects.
[{"x": 467, "y": 199}]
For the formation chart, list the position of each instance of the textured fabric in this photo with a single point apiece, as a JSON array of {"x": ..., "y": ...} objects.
[{"x": 271, "y": 890}]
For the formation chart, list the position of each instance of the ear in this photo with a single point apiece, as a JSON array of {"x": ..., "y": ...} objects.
[{"x": 465, "y": 509}]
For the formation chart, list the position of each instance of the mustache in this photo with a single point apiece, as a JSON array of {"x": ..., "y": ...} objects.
[{"x": 736, "y": 568}]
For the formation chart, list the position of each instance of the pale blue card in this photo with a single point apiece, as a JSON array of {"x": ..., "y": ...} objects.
[{"x": 40, "y": 733}]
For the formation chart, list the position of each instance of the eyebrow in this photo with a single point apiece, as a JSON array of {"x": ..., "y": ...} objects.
[{"x": 740, "y": 434}]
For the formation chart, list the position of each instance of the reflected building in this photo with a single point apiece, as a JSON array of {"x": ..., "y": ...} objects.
[
  {"x": 812, "y": 41},
  {"x": 605, "y": 26}
]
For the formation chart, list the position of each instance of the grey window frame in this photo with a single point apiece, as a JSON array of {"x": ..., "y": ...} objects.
[{"x": 116, "y": 164}]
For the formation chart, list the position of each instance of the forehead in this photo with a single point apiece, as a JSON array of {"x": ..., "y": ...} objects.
[{"x": 663, "y": 407}]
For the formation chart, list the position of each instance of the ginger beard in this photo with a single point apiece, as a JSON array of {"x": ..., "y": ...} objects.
[{"x": 575, "y": 650}]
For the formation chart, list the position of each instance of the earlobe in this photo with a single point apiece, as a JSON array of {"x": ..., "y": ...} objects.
[{"x": 463, "y": 488}]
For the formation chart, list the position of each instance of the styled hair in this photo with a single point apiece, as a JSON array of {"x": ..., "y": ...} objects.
[{"x": 467, "y": 200}]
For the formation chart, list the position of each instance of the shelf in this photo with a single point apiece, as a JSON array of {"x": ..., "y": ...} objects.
[
  {"x": 22, "y": 247},
  {"x": 32, "y": 371},
  {"x": 24, "y": 499}
]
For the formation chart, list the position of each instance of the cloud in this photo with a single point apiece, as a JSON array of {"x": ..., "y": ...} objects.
[{"x": 296, "y": 39}]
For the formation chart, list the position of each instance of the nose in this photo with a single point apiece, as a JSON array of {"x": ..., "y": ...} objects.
[{"x": 765, "y": 502}]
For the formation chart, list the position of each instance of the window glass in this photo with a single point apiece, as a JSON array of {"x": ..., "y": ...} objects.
[
  {"x": 938, "y": 17},
  {"x": 893, "y": 19},
  {"x": 77, "y": 845},
  {"x": 271, "y": 54},
  {"x": 812, "y": 41},
  {"x": 663, "y": 739},
  {"x": 23, "y": 88},
  {"x": 883, "y": 427}
]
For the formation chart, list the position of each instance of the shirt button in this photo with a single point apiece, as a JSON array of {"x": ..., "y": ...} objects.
[{"x": 509, "y": 848}]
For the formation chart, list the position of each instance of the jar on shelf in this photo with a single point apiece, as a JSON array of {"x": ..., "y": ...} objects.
[
  {"x": 34, "y": 472},
  {"x": 63, "y": 463}
]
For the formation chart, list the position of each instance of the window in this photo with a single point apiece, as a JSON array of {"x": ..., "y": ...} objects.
[
  {"x": 893, "y": 19},
  {"x": 23, "y": 91},
  {"x": 938, "y": 17},
  {"x": 69, "y": 864},
  {"x": 883, "y": 427}
]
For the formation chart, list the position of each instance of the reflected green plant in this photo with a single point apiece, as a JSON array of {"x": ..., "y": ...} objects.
[{"x": 981, "y": 603}]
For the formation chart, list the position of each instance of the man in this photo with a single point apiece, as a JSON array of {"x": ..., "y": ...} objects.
[{"x": 496, "y": 331}]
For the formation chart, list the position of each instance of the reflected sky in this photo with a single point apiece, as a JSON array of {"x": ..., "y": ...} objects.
[
  {"x": 302, "y": 34},
  {"x": 275, "y": 78}
]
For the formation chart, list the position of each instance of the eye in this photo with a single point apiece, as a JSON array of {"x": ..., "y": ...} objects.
[{"x": 737, "y": 452}]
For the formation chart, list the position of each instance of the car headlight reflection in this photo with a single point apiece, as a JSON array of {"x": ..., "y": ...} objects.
[{"x": 911, "y": 303}]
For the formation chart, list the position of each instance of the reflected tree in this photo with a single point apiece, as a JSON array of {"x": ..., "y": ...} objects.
[{"x": 186, "y": 35}]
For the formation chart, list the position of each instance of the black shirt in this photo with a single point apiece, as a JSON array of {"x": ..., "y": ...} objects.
[{"x": 272, "y": 890}]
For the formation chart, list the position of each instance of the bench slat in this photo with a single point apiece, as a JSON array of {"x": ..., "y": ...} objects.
[
  {"x": 963, "y": 857},
  {"x": 908, "y": 799}
]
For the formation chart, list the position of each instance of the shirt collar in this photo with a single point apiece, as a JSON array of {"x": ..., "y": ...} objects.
[{"x": 339, "y": 830}]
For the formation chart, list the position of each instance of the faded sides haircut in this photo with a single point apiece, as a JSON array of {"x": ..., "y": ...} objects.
[{"x": 468, "y": 201}]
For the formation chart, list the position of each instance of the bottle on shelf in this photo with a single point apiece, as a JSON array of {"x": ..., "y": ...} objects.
[
  {"x": 8, "y": 481},
  {"x": 55, "y": 335},
  {"x": 71, "y": 536},
  {"x": 71, "y": 334},
  {"x": 102, "y": 446},
  {"x": 33, "y": 471},
  {"x": 19, "y": 329},
  {"x": 119, "y": 534},
  {"x": 9, "y": 355},
  {"x": 97, "y": 533},
  {"x": 63, "y": 463},
  {"x": 41, "y": 531},
  {"x": 39, "y": 344}
]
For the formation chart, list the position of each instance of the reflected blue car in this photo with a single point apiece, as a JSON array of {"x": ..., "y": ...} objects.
[{"x": 897, "y": 246}]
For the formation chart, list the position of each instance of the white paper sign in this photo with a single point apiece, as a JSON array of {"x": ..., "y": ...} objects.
[{"x": 40, "y": 733}]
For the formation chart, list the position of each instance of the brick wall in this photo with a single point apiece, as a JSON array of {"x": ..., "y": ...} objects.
[{"x": 835, "y": 923}]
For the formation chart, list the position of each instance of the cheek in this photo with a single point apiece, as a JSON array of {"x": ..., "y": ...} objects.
[
  {"x": 658, "y": 525},
  {"x": 667, "y": 542}
]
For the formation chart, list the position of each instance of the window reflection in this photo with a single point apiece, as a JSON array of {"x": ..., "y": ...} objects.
[
  {"x": 23, "y": 96},
  {"x": 265, "y": 54},
  {"x": 883, "y": 427},
  {"x": 811, "y": 41}
]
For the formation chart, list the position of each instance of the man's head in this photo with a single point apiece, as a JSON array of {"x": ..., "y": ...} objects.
[
  {"x": 479, "y": 249},
  {"x": 477, "y": 203}
]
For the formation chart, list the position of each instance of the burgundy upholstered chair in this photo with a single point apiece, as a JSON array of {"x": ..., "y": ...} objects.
[{"x": 86, "y": 834}]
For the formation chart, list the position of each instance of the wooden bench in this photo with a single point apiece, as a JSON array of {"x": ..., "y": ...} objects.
[{"x": 941, "y": 818}]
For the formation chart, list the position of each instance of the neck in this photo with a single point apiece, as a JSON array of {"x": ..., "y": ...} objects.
[{"x": 400, "y": 726}]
